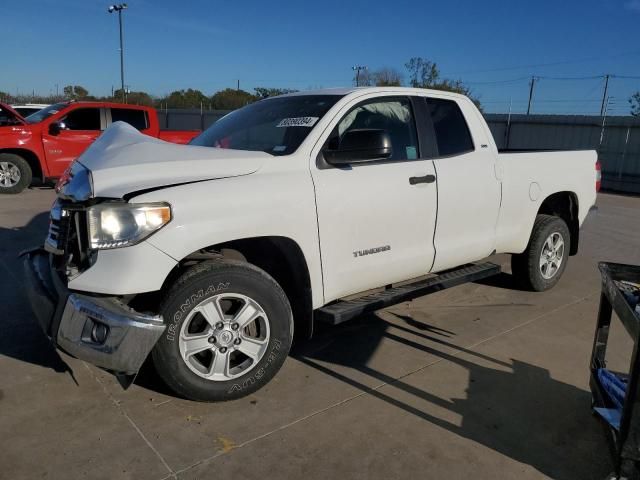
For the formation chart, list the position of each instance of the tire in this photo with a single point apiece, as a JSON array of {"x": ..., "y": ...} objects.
[
  {"x": 527, "y": 267},
  {"x": 15, "y": 173},
  {"x": 190, "y": 309}
]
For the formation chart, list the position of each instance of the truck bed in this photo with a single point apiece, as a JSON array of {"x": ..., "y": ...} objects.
[{"x": 528, "y": 176}]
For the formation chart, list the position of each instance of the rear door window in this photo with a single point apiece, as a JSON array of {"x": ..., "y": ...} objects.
[
  {"x": 136, "y": 118},
  {"x": 451, "y": 130},
  {"x": 83, "y": 119}
]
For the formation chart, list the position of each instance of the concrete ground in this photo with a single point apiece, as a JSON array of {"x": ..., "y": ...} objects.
[{"x": 482, "y": 381}]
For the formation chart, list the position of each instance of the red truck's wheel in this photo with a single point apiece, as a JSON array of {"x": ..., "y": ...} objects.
[
  {"x": 15, "y": 173},
  {"x": 229, "y": 330}
]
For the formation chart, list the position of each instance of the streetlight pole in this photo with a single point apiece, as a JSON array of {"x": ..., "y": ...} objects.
[
  {"x": 357, "y": 69},
  {"x": 119, "y": 8}
]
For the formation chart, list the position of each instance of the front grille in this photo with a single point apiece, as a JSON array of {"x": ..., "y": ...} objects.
[
  {"x": 67, "y": 237},
  {"x": 58, "y": 229}
]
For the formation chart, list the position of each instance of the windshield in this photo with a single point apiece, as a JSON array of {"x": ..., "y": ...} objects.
[
  {"x": 276, "y": 125},
  {"x": 45, "y": 113}
]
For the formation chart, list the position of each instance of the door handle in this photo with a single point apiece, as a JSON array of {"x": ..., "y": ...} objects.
[{"x": 425, "y": 179}]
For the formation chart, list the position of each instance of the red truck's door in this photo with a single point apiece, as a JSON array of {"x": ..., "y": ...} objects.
[{"x": 77, "y": 130}]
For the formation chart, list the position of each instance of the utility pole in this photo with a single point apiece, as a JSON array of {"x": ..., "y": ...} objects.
[
  {"x": 119, "y": 8},
  {"x": 507, "y": 130},
  {"x": 357, "y": 69},
  {"x": 607, "y": 104},
  {"x": 533, "y": 82},
  {"x": 238, "y": 87},
  {"x": 604, "y": 95}
]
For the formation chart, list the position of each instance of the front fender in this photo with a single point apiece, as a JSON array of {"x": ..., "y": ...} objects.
[{"x": 257, "y": 205}]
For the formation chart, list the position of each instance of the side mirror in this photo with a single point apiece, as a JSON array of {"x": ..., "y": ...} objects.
[
  {"x": 360, "y": 146},
  {"x": 56, "y": 127}
]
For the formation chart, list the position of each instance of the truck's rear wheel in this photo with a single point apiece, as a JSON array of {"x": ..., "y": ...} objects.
[
  {"x": 15, "y": 173},
  {"x": 542, "y": 264},
  {"x": 229, "y": 330}
]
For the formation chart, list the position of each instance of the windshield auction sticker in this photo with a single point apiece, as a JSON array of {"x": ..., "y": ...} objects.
[{"x": 298, "y": 122}]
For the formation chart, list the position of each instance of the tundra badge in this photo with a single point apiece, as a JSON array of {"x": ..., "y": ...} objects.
[{"x": 370, "y": 251}]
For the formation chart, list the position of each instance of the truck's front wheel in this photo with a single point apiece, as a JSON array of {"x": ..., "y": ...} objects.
[
  {"x": 15, "y": 173},
  {"x": 542, "y": 264},
  {"x": 229, "y": 330}
]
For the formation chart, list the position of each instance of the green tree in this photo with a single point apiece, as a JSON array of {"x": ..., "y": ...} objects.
[
  {"x": 386, "y": 77},
  {"x": 262, "y": 92},
  {"x": 75, "y": 92},
  {"x": 363, "y": 78},
  {"x": 383, "y": 77},
  {"x": 231, "y": 99},
  {"x": 140, "y": 98},
  {"x": 133, "y": 98},
  {"x": 189, "y": 98},
  {"x": 423, "y": 73},
  {"x": 634, "y": 101},
  {"x": 80, "y": 92}
]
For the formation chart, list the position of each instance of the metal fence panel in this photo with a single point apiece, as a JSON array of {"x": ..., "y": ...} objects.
[{"x": 188, "y": 119}]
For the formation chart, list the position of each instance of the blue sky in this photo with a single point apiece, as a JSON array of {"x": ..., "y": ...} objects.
[{"x": 299, "y": 44}]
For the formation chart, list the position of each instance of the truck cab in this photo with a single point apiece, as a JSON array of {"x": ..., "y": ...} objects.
[{"x": 442, "y": 154}]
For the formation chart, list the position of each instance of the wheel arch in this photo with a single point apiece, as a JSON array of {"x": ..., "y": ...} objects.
[
  {"x": 281, "y": 257},
  {"x": 31, "y": 158},
  {"x": 564, "y": 205}
]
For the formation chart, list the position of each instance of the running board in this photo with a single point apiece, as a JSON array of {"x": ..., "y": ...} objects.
[{"x": 344, "y": 310}]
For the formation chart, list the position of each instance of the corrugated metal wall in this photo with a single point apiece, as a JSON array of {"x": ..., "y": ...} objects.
[{"x": 618, "y": 143}]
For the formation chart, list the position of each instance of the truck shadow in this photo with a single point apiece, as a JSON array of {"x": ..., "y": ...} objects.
[
  {"x": 514, "y": 408},
  {"x": 21, "y": 337},
  {"x": 502, "y": 280}
]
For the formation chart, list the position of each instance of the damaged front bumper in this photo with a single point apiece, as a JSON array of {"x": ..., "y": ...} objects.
[{"x": 98, "y": 329}]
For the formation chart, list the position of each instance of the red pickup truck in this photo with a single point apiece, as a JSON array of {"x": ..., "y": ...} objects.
[{"x": 43, "y": 144}]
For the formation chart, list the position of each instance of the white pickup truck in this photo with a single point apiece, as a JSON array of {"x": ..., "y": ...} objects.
[{"x": 209, "y": 256}]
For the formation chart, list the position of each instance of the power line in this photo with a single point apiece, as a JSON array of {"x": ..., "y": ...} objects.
[
  {"x": 593, "y": 77},
  {"x": 592, "y": 90},
  {"x": 535, "y": 79},
  {"x": 513, "y": 80},
  {"x": 550, "y": 64}
]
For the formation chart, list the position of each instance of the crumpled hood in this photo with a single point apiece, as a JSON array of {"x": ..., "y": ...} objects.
[{"x": 123, "y": 160}]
